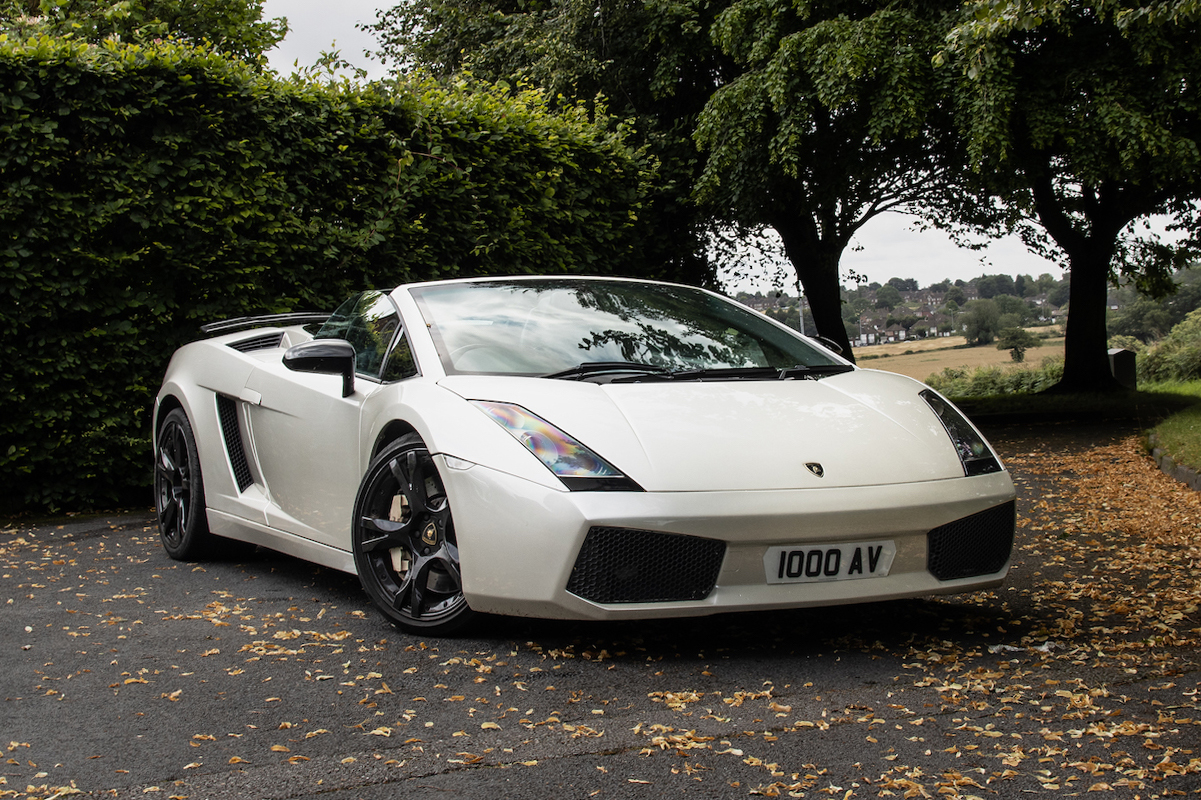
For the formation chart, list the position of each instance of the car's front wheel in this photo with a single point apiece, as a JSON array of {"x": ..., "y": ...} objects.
[
  {"x": 404, "y": 542},
  {"x": 179, "y": 490}
]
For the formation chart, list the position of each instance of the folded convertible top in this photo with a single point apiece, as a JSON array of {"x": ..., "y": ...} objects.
[{"x": 243, "y": 323}]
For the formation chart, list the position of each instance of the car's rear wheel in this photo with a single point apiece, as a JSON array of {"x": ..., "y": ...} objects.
[
  {"x": 179, "y": 490},
  {"x": 404, "y": 542}
]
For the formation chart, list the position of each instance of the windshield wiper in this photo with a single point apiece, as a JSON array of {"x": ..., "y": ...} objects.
[
  {"x": 821, "y": 370},
  {"x": 799, "y": 372},
  {"x": 656, "y": 373},
  {"x": 725, "y": 374},
  {"x": 597, "y": 367}
]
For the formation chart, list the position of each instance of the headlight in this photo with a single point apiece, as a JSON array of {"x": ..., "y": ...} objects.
[
  {"x": 579, "y": 468},
  {"x": 974, "y": 453}
]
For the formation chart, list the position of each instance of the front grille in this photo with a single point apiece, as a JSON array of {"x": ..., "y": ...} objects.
[
  {"x": 975, "y": 545},
  {"x": 231, "y": 431},
  {"x": 266, "y": 341},
  {"x": 619, "y": 565}
]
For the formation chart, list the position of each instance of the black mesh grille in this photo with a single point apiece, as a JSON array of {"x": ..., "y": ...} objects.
[
  {"x": 267, "y": 341},
  {"x": 227, "y": 410},
  {"x": 618, "y": 565},
  {"x": 975, "y": 545}
]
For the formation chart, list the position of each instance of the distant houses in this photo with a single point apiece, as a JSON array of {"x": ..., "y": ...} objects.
[{"x": 935, "y": 311}]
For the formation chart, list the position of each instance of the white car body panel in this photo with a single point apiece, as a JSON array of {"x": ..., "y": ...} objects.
[
  {"x": 516, "y": 566},
  {"x": 311, "y": 478},
  {"x": 723, "y": 460},
  {"x": 731, "y": 436}
]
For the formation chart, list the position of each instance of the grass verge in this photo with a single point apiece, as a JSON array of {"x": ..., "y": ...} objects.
[
  {"x": 1149, "y": 408},
  {"x": 1170, "y": 410},
  {"x": 1180, "y": 433}
]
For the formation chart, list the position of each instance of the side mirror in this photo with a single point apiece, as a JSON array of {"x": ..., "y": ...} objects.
[{"x": 325, "y": 356}]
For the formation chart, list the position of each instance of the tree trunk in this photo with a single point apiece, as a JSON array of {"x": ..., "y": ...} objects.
[
  {"x": 1086, "y": 350},
  {"x": 1090, "y": 248},
  {"x": 816, "y": 263}
]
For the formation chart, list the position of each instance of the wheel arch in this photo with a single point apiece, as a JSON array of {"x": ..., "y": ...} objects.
[
  {"x": 389, "y": 434},
  {"x": 166, "y": 404}
]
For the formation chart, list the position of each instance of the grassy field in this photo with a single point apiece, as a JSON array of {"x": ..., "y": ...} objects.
[{"x": 922, "y": 358}]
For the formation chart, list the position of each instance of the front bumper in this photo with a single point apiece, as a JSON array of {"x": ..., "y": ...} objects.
[{"x": 519, "y": 541}]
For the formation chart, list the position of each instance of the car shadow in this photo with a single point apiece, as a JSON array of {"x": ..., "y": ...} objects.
[{"x": 897, "y": 626}]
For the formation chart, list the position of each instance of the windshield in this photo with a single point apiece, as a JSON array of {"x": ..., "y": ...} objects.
[{"x": 543, "y": 327}]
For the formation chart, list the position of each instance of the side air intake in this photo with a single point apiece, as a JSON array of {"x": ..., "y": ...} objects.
[
  {"x": 231, "y": 431},
  {"x": 267, "y": 341}
]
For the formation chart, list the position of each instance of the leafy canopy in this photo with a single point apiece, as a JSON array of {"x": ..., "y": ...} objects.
[
  {"x": 834, "y": 117},
  {"x": 1084, "y": 116},
  {"x": 233, "y": 27}
]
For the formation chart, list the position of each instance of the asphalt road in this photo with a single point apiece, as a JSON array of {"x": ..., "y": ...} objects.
[{"x": 125, "y": 674}]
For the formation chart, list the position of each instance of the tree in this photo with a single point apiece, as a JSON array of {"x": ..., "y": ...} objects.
[
  {"x": 1017, "y": 341},
  {"x": 790, "y": 316},
  {"x": 1008, "y": 304},
  {"x": 853, "y": 308},
  {"x": 232, "y": 27},
  {"x": 903, "y": 284},
  {"x": 888, "y": 297},
  {"x": 1060, "y": 295},
  {"x": 1085, "y": 117},
  {"x": 1144, "y": 319},
  {"x": 995, "y": 285},
  {"x": 980, "y": 320},
  {"x": 1046, "y": 282},
  {"x": 955, "y": 295},
  {"x": 828, "y": 123},
  {"x": 1148, "y": 319}
]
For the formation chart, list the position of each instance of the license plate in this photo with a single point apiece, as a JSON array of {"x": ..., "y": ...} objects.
[{"x": 811, "y": 563}]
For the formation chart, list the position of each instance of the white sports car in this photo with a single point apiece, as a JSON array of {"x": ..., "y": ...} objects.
[{"x": 573, "y": 448}]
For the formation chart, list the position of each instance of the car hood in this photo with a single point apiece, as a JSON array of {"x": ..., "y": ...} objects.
[{"x": 863, "y": 428}]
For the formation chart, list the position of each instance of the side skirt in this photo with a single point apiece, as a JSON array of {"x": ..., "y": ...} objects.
[{"x": 244, "y": 530}]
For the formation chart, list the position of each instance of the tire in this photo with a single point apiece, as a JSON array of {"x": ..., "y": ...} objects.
[
  {"x": 179, "y": 490},
  {"x": 403, "y": 538}
]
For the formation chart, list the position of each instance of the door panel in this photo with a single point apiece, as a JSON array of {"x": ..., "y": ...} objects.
[
  {"x": 307, "y": 436},
  {"x": 306, "y": 439}
]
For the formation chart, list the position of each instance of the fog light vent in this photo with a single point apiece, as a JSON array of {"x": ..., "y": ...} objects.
[
  {"x": 619, "y": 565},
  {"x": 972, "y": 546}
]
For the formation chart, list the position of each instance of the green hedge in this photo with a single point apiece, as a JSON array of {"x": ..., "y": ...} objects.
[
  {"x": 146, "y": 191},
  {"x": 960, "y": 383},
  {"x": 1177, "y": 356}
]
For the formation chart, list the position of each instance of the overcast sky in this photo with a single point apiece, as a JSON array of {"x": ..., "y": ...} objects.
[{"x": 888, "y": 248}]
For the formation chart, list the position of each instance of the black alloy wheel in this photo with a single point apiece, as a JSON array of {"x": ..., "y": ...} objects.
[
  {"x": 404, "y": 541},
  {"x": 179, "y": 490}
]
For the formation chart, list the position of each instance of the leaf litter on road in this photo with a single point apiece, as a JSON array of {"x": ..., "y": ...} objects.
[{"x": 1080, "y": 677}]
